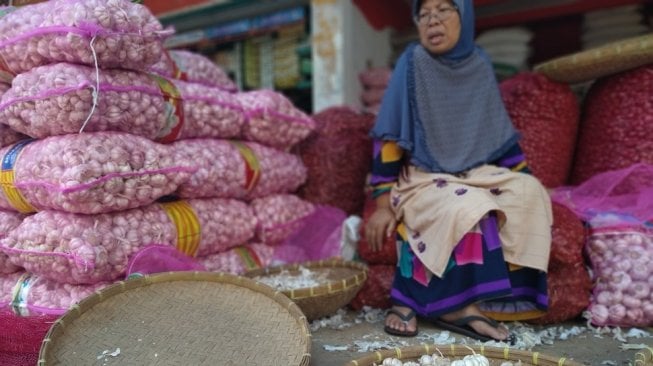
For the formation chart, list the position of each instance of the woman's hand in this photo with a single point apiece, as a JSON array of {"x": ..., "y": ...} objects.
[{"x": 381, "y": 224}]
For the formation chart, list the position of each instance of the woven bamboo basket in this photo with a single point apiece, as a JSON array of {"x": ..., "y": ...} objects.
[
  {"x": 345, "y": 279},
  {"x": 181, "y": 318},
  {"x": 495, "y": 355},
  {"x": 611, "y": 58},
  {"x": 643, "y": 357}
]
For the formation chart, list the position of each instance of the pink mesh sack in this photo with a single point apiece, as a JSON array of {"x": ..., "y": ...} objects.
[
  {"x": 111, "y": 33},
  {"x": 621, "y": 258},
  {"x": 127, "y": 101},
  {"x": 318, "y": 237},
  {"x": 618, "y": 206},
  {"x": 273, "y": 120},
  {"x": 193, "y": 67},
  {"x": 156, "y": 258},
  {"x": 7, "y": 135},
  {"x": 27, "y": 295},
  {"x": 626, "y": 192},
  {"x": 88, "y": 173},
  {"x": 278, "y": 216},
  {"x": 8, "y": 221},
  {"x": 87, "y": 249},
  {"x": 240, "y": 259},
  {"x": 235, "y": 169}
]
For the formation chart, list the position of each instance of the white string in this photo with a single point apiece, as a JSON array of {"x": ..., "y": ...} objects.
[{"x": 95, "y": 88}]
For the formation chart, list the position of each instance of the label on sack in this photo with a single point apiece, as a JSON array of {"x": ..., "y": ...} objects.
[
  {"x": 15, "y": 198},
  {"x": 177, "y": 71},
  {"x": 188, "y": 226},
  {"x": 20, "y": 294},
  {"x": 252, "y": 166},
  {"x": 248, "y": 257},
  {"x": 173, "y": 109}
]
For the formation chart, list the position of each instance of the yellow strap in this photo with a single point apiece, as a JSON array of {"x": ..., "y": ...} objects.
[
  {"x": 561, "y": 361},
  {"x": 175, "y": 111},
  {"x": 15, "y": 198},
  {"x": 535, "y": 358},
  {"x": 252, "y": 165},
  {"x": 188, "y": 226}
]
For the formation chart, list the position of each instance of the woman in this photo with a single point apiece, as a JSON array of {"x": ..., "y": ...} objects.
[{"x": 473, "y": 227}]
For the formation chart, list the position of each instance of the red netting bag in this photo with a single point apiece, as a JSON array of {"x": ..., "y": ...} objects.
[
  {"x": 376, "y": 290},
  {"x": 546, "y": 113},
  {"x": 21, "y": 337},
  {"x": 568, "y": 236},
  {"x": 338, "y": 157},
  {"x": 617, "y": 124},
  {"x": 569, "y": 288},
  {"x": 626, "y": 192}
]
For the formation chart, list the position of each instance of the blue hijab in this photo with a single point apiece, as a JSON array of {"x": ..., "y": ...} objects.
[{"x": 446, "y": 110}]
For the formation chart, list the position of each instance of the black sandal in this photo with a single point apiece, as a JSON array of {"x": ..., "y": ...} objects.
[
  {"x": 461, "y": 326},
  {"x": 405, "y": 318}
]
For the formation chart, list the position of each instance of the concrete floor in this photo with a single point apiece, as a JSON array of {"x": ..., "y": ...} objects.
[{"x": 573, "y": 340}]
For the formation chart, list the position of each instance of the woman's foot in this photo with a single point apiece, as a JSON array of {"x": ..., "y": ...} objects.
[
  {"x": 485, "y": 328},
  {"x": 401, "y": 321}
]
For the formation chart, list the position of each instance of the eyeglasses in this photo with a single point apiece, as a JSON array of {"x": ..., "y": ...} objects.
[{"x": 441, "y": 15}]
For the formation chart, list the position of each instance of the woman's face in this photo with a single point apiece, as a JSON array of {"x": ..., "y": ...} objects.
[{"x": 438, "y": 23}]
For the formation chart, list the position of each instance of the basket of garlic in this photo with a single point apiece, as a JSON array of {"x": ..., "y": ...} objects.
[
  {"x": 320, "y": 288},
  {"x": 644, "y": 357},
  {"x": 458, "y": 355},
  {"x": 180, "y": 318}
]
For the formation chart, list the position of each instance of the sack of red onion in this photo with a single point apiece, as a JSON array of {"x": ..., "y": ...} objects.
[
  {"x": 127, "y": 101},
  {"x": 273, "y": 120},
  {"x": 338, "y": 157},
  {"x": 546, "y": 113},
  {"x": 622, "y": 263},
  {"x": 616, "y": 127},
  {"x": 88, "y": 173},
  {"x": 279, "y": 216},
  {"x": 8, "y": 221},
  {"x": 240, "y": 259},
  {"x": 78, "y": 249},
  {"x": 193, "y": 67},
  {"x": 235, "y": 169},
  {"x": 109, "y": 33},
  {"x": 30, "y": 295}
]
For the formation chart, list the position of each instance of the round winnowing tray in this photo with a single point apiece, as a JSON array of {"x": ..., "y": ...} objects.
[
  {"x": 601, "y": 61},
  {"x": 495, "y": 355},
  {"x": 181, "y": 318}
]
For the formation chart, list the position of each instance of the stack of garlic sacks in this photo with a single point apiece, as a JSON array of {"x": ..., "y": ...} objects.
[{"x": 132, "y": 145}]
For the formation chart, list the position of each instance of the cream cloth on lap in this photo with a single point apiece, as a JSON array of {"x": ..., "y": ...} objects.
[{"x": 438, "y": 209}]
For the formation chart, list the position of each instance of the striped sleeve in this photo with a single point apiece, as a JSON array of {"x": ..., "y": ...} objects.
[
  {"x": 386, "y": 165},
  {"x": 514, "y": 159}
]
